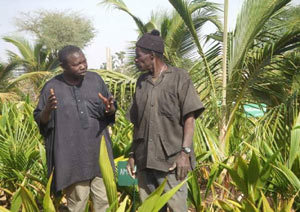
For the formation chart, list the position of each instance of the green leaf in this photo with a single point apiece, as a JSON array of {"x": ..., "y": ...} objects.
[
  {"x": 16, "y": 201},
  {"x": 107, "y": 174},
  {"x": 165, "y": 197},
  {"x": 194, "y": 190},
  {"x": 250, "y": 207},
  {"x": 254, "y": 15},
  {"x": 292, "y": 178},
  {"x": 288, "y": 207},
  {"x": 267, "y": 168},
  {"x": 214, "y": 173},
  {"x": 225, "y": 206},
  {"x": 242, "y": 169},
  {"x": 266, "y": 205},
  {"x": 28, "y": 202},
  {"x": 253, "y": 169},
  {"x": 123, "y": 204},
  {"x": 149, "y": 204},
  {"x": 112, "y": 206},
  {"x": 120, "y": 5},
  {"x": 240, "y": 182},
  {"x": 2, "y": 209},
  {"x": 295, "y": 142},
  {"x": 47, "y": 202}
]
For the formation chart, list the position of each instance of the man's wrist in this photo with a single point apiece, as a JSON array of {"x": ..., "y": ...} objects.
[
  {"x": 45, "y": 116},
  {"x": 131, "y": 154},
  {"x": 186, "y": 150}
]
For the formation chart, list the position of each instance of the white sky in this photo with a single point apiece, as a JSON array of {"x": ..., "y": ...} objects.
[{"x": 114, "y": 28}]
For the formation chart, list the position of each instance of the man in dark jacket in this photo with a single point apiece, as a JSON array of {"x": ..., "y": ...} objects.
[
  {"x": 73, "y": 113},
  {"x": 163, "y": 112}
]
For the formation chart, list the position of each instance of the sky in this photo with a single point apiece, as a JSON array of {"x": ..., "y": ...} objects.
[{"x": 114, "y": 29}]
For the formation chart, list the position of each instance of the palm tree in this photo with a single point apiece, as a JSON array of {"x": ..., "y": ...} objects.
[
  {"x": 32, "y": 58},
  {"x": 38, "y": 63},
  {"x": 5, "y": 73},
  {"x": 174, "y": 31}
]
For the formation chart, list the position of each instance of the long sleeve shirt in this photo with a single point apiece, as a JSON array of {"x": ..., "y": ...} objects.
[{"x": 73, "y": 134}]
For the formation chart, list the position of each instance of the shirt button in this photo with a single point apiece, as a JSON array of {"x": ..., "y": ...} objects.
[
  {"x": 78, "y": 100},
  {"x": 81, "y": 112}
]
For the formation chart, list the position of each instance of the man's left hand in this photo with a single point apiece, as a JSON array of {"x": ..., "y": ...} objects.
[
  {"x": 109, "y": 104},
  {"x": 182, "y": 166}
]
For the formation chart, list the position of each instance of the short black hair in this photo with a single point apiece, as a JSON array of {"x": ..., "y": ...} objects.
[{"x": 66, "y": 51}]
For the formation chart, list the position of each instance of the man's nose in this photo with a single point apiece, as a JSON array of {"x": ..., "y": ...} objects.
[{"x": 82, "y": 66}]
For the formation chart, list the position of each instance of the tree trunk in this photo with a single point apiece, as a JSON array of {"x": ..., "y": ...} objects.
[{"x": 223, "y": 127}]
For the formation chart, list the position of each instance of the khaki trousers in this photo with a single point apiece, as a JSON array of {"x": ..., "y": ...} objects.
[
  {"x": 150, "y": 179},
  {"x": 78, "y": 194}
]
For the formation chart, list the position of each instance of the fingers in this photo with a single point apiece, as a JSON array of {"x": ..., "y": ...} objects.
[
  {"x": 111, "y": 100},
  {"x": 181, "y": 173},
  {"x": 51, "y": 91},
  {"x": 172, "y": 167},
  {"x": 52, "y": 102},
  {"x": 108, "y": 102},
  {"x": 130, "y": 167},
  {"x": 131, "y": 171},
  {"x": 102, "y": 97},
  {"x": 105, "y": 101}
]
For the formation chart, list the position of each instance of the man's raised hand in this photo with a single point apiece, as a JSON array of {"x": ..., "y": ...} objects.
[
  {"x": 50, "y": 105},
  {"x": 109, "y": 103},
  {"x": 51, "y": 102}
]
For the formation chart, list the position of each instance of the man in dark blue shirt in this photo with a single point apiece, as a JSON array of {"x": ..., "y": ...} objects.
[{"x": 73, "y": 113}]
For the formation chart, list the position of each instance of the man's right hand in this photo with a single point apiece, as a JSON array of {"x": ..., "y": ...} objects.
[
  {"x": 51, "y": 105},
  {"x": 130, "y": 167}
]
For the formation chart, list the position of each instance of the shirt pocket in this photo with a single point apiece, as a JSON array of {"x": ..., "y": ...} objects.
[
  {"x": 165, "y": 152},
  {"x": 95, "y": 107},
  {"x": 168, "y": 105}
]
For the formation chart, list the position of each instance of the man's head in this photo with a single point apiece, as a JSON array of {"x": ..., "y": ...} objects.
[
  {"x": 73, "y": 61},
  {"x": 149, "y": 48}
]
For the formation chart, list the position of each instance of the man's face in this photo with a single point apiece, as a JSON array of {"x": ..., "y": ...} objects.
[
  {"x": 143, "y": 60},
  {"x": 76, "y": 65}
]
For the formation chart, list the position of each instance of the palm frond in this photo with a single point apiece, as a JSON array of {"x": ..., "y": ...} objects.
[
  {"x": 8, "y": 97},
  {"x": 120, "y": 5},
  {"x": 182, "y": 8},
  {"x": 250, "y": 21},
  {"x": 23, "y": 46}
]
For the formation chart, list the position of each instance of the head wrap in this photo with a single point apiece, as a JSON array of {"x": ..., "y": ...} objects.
[{"x": 151, "y": 41}]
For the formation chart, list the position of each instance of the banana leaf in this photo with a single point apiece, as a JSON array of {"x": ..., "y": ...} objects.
[{"x": 108, "y": 175}]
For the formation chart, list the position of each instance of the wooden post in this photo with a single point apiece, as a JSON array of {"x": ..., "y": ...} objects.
[{"x": 108, "y": 59}]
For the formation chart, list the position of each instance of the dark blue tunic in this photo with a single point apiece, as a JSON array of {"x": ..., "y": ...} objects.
[{"x": 72, "y": 136}]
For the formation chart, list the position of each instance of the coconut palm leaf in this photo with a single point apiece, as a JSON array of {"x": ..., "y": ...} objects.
[
  {"x": 257, "y": 63},
  {"x": 183, "y": 10},
  {"x": 253, "y": 16},
  {"x": 121, "y": 86},
  {"x": 37, "y": 76},
  {"x": 19, "y": 140},
  {"x": 120, "y": 5},
  {"x": 32, "y": 58},
  {"x": 23, "y": 46},
  {"x": 295, "y": 143},
  {"x": 6, "y": 94}
]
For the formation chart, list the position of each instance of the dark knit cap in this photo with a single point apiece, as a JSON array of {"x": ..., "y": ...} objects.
[{"x": 151, "y": 41}]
